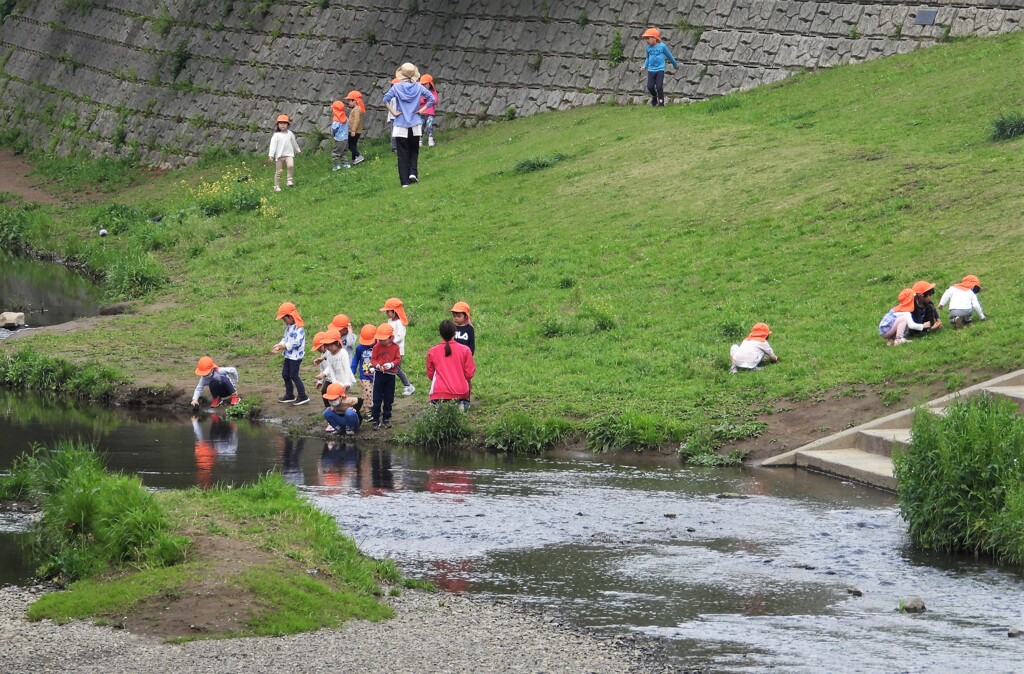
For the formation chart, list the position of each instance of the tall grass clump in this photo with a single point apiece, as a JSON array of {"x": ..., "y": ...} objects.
[
  {"x": 13, "y": 226},
  {"x": 92, "y": 520},
  {"x": 631, "y": 431},
  {"x": 701, "y": 449},
  {"x": 438, "y": 426},
  {"x": 80, "y": 173},
  {"x": 1008, "y": 125},
  {"x": 132, "y": 274},
  {"x": 531, "y": 164},
  {"x": 28, "y": 370},
  {"x": 522, "y": 433},
  {"x": 961, "y": 481}
]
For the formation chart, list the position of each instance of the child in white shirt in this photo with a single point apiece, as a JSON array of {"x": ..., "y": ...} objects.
[
  {"x": 962, "y": 299},
  {"x": 283, "y": 148},
  {"x": 754, "y": 349},
  {"x": 337, "y": 365}
]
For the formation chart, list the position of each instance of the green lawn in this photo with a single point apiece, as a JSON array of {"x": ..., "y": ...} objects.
[{"x": 617, "y": 278}]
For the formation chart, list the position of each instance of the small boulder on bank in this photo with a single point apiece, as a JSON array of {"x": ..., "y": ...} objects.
[{"x": 12, "y": 319}]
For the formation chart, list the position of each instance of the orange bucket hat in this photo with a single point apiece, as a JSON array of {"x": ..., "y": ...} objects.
[
  {"x": 331, "y": 336},
  {"x": 288, "y": 309},
  {"x": 652, "y": 32},
  {"x": 383, "y": 331},
  {"x": 426, "y": 79},
  {"x": 759, "y": 333},
  {"x": 334, "y": 391},
  {"x": 367, "y": 334},
  {"x": 318, "y": 340},
  {"x": 969, "y": 282},
  {"x": 338, "y": 107},
  {"x": 906, "y": 300},
  {"x": 395, "y": 304},
  {"x": 921, "y": 287},
  {"x": 358, "y": 98},
  {"x": 284, "y": 118},
  {"x": 460, "y": 308},
  {"x": 340, "y": 322},
  {"x": 205, "y": 366},
  {"x": 396, "y": 80}
]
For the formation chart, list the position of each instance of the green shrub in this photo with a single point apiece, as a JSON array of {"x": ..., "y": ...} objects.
[
  {"x": 521, "y": 433},
  {"x": 29, "y": 370},
  {"x": 91, "y": 519},
  {"x": 438, "y": 426},
  {"x": 531, "y": 164},
  {"x": 249, "y": 408},
  {"x": 13, "y": 224},
  {"x": 615, "y": 52},
  {"x": 630, "y": 430},
  {"x": 701, "y": 449},
  {"x": 1008, "y": 125},
  {"x": 961, "y": 480}
]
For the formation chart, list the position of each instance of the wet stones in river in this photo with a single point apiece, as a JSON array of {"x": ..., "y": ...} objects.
[
  {"x": 912, "y": 605},
  {"x": 1014, "y": 632},
  {"x": 732, "y": 494}
]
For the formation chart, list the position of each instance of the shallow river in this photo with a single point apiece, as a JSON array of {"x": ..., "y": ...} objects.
[
  {"x": 735, "y": 584},
  {"x": 47, "y": 293}
]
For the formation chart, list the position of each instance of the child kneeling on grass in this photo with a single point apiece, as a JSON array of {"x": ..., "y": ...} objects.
[
  {"x": 749, "y": 354},
  {"x": 342, "y": 412},
  {"x": 223, "y": 382},
  {"x": 893, "y": 326},
  {"x": 962, "y": 300}
]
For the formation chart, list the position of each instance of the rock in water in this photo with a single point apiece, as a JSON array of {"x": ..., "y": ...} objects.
[
  {"x": 1013, "y": 632},
  {"x": 912, "y": 605},
  {"x": 12, "y": 319}
]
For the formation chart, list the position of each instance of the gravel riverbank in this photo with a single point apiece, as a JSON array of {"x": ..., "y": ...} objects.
[{"x": 429, "y": 633}]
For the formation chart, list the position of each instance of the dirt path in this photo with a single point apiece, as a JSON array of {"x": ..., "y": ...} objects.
[{"x": 14, "y": 179}]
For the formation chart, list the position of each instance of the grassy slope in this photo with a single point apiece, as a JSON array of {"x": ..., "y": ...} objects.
[{"x": 809, "y": 206}]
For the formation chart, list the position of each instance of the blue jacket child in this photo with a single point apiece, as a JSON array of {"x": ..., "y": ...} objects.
[
  {"x": 339, "y": 132},
  {"x": 654, "y": 64}
]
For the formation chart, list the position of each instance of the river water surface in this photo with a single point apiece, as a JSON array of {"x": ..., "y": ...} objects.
[
  {"x": 733, "y": 584},
  {"x": 47, "y": 293}
]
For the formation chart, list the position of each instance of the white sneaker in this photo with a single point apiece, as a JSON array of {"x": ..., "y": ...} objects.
[
  {"x": 358, "y": 160},
  {"x": 430, "y": 141},
  {"x": 899, "y": 341},
  {"x": 277, "y": 188},
  {"x": 421, "y": 141},
  {"x": 413, "y": 178},
  {"x": 291, "y": 184},
  {"x": 409, "y": 390}
]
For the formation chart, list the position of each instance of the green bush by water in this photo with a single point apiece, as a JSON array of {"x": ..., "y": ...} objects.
[
  {"x": 631, "y": 431},
  {"x": 27, "y": 370},
  {"x": 92, "y": 520},
  {"x": 443, "y": 425},
  {"x": 961, "y": 482},
  {"x": 522, "y": 433}
]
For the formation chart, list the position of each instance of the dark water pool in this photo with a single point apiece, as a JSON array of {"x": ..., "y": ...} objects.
[
  {"x": 48, "y": 293},
  {"x": 734, "y": 584}
]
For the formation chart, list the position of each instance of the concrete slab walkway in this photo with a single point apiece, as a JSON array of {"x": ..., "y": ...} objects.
[{"x": 864, "y": 453}]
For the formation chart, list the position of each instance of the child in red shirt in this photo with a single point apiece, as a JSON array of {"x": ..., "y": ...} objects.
[{"x": 384, "y": 362}]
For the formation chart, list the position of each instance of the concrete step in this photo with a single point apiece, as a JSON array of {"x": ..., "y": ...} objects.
[
  {"x": 1014, "y": 393},
  {"x": 850, "y": 463},
  {"x": 881, "y": 440}
]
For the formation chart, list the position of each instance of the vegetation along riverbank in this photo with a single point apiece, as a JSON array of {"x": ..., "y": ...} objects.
[{"x": 611, "y": 254}]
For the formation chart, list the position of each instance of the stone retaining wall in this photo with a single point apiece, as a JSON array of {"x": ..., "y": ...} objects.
[{"x": 174, "y": 79}]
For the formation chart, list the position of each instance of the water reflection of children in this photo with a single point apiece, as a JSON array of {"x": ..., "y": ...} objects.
[{"x": 220, "y": 442}]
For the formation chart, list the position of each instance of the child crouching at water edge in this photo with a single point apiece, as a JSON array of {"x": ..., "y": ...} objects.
[
  {"x": 749, "y": 354},
  {"x": 294, "y": 346},
  {"x": 223, "y": 382},
  {"x": 342, "y": 411},
  {"x": 283, "y": 148},
  {"x": 893, "y": 326}
]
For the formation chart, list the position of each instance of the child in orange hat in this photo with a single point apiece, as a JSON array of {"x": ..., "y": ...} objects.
[
  {"x": 384, "y": 361},
  {"x": 893, "y": 326},
  {"x": 337, "y": 364},
  {"x": 924, "y": 310},
  {"x": 294, "y": 346},
  {"x": 749, "y": 354},
  {"x": 357, "y": 108},
  {"x": 429, "y": 108},
  {"x": 361, "y": 359},
  {"x": 465, "y": 333},
  {"x": 342, "y": 410},
  {"x": 223, "y": 382},
  {"x": 962, "y": 299},
  {"x": 654, "y": 64},
  {"x": 339, "y": 136},
  {"x": 283, "y": 148},
  {"x": 343, "y": 325},
  {"x": 397, "y": 319}
]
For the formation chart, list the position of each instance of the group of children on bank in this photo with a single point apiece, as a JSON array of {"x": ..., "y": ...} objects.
[
  {"x": 373, "y": 358},
  {"x": 916, "y": 314},
  {"x": 412, "y": 107}
]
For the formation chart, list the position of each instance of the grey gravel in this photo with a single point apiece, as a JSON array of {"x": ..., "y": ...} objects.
[{"x": 429, "y": 633}]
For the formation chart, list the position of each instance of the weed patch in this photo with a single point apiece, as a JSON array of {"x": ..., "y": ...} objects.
[
  {"x": 438, "y": 426},
  {"x": 522, "y": 433},
  {"x": 531, "y": 164},
  {"x": 630, "y": 431},
  {"x": 27, "y": 370},
  {"x": 1008, "y": 125}
]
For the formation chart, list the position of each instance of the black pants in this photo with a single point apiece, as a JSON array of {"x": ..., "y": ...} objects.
[
  {"x": 290, "y": 374},
  {"x": 383, "y": 387},
  {"x": 353, "y": 145},
  {"x": 221, "y": 387},
  {"x": 656, "y": 86},
  {"x": 408, "y": 157}
]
